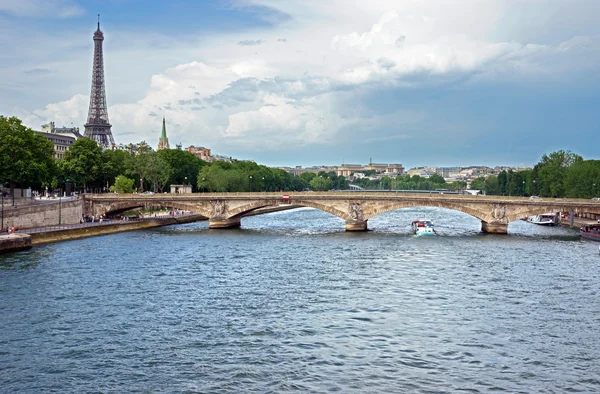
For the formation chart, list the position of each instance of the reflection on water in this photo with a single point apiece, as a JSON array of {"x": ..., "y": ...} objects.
[{"x": 291, "y": 302}]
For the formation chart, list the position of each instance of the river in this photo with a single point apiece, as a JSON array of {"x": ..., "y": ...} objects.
[{"x": 293, "y": 303}]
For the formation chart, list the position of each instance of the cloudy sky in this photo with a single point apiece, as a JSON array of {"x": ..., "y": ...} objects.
[{"x": 309, "y": 82}]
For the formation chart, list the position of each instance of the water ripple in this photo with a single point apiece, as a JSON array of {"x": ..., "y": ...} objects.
[{"x": 292, "y": 303}]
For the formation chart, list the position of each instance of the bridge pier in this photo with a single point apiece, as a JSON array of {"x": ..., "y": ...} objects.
[
  {"x": 494, "y": 228},
  {"x": 224, "y": 223},
  {"x": 352, "y": 225}
]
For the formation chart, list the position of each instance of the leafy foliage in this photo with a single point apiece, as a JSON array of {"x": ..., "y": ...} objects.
[
  {"x": 122, "y": 185},
  {"x": 83, "y": 162},
  {"x": 26, "y": 158}
]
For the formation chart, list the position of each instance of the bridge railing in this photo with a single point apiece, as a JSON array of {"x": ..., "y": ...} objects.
[{"x": 353, "y": 194}]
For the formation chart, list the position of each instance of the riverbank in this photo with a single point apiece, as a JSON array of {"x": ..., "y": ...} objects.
[
  {"x": 48, "y": 235},
  {"x": 15, "y": 242},
  {"x": 117, "y": 227}
]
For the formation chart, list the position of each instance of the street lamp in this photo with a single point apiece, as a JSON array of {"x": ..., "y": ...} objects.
[
  {"x": 263, "y": 183},
  {"x": 2, "y": 227},
  {"x": 250, "y": 182},
  {"x": 59, "y": 205},
  {"x": 523, "y": 194}
]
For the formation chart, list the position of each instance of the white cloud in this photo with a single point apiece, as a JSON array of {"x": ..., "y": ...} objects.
[
  {"x": 37, "y": 8},
  {"x": 62, "y": 113},
  {"x": 306, "y": 88}
]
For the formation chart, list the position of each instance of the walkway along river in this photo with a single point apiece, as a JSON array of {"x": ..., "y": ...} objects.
[{"x": 293, "y": 303}]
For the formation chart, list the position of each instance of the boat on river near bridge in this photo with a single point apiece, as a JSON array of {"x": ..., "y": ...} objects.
[
  {"x": 590, "y": 231},
  {"x": 546, "y": 219},
  {"x": 423, "y": 227}
]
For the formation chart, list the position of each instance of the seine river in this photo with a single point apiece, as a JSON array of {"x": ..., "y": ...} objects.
[{"x": 293, "y": 303}]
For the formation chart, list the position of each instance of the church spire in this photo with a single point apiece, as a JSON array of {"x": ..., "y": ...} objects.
[{"x": 163, "y": 142}]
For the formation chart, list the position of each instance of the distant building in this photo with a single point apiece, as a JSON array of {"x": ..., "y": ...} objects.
[
  {"x": 396, "y": 169},
  {"x": 163, "y": 142},
  {"x": 61, "y": 142},
  {"x": 50, "y": 128},
  {"x": 346, "y": 170},
  {"x": 422, "y": 172},
  {"x": 181, "y": 189},
  {"x": 200, "y": 152}
]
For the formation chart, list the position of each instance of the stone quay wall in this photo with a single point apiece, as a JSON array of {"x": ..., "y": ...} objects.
[
  {"x": 43, "y": 215},
  {"x": 14, "y": 242},
  {"x": 78, "y": 233}
]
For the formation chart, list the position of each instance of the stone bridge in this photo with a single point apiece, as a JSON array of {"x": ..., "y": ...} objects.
[{"x": 224, "y": 210}]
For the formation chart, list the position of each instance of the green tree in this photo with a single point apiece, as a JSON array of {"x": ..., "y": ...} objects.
[
  {"x": 83, "y": 162},
  {"x": 320, "y": 184},
  {"x": 582, "y": 179},
  {"x": 158, "y": 170},
  {"x": 114, "y": 163},
  {"x": 492, "y": 186},
  {"x": 122, "y": 185},
  {"x": 184, "y": 166},
  {"x": 551, "y": 172},
  {"x": 502, "y": 183},
  {"x": 436, "y": 178},
  {"x": 478, "y": 183},
  {"x": 26, "y": 158}
]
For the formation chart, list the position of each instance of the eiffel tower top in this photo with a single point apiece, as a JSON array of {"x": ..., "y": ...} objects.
[
  {"x": 98, "y": 35},
  {"x": 98, "y": 126}
]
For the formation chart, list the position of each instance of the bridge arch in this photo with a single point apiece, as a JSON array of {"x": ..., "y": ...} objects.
[
  {"x": 243, "y": 210},
  {"x": 374, "y": 210},
  {"x": 122, "y": 206},
  {"x": 518, "y": 214}
]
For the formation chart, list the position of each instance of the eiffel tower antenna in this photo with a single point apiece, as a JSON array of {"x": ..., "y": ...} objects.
[{"x": 98, "y": 127}]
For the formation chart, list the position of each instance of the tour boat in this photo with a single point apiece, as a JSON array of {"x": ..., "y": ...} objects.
[
  {"x": 590, "y": 231},
  {"x": 546, "y": 219},
  {"x": 423, "y": 227}
]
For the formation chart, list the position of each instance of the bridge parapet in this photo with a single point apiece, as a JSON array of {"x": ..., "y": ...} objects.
[{"x": 355, "y": 208}]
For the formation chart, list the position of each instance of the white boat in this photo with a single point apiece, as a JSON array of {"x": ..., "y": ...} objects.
[
  {"x": 423, "y": 227},
  {"x": 545, "y": 219}
]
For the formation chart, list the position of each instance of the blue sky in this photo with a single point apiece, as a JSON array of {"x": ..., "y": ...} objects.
[{"x": 451, "y": 82}]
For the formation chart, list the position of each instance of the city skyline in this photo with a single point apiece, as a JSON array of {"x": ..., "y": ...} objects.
[{"x": 314, "y": 83}]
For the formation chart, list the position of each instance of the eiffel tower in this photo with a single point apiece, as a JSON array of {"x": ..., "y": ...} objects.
[{"x": 98, "y": 126}]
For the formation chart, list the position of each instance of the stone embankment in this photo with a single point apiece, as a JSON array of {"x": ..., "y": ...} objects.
[
  {"x": 43, "y": 214},
  {"x": 111, "y": 228},
  {"x": 14, "y": 242},
  {"x": 52, "y": 234}
]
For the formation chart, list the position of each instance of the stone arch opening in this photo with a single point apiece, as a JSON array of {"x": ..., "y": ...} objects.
[
  {"x": 116, "y": 208},
  {"x": 376, "y": 210},
  {"x": 245, "y": 209}
]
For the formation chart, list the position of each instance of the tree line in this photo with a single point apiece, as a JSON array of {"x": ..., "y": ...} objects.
[
  {"x": 26, "y": 160},
  {"x": 408, "y": 182},
  {"x": 560, "y": 174}
]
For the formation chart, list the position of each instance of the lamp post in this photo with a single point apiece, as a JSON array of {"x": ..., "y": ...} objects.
[
  {"x": 250, "y": 183},
  {"x": 2, "y": 227},
  {"x": 59, "y": 205},
  {"x": 263, "y": 183},
  {"x": 523, "y": 191}
]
